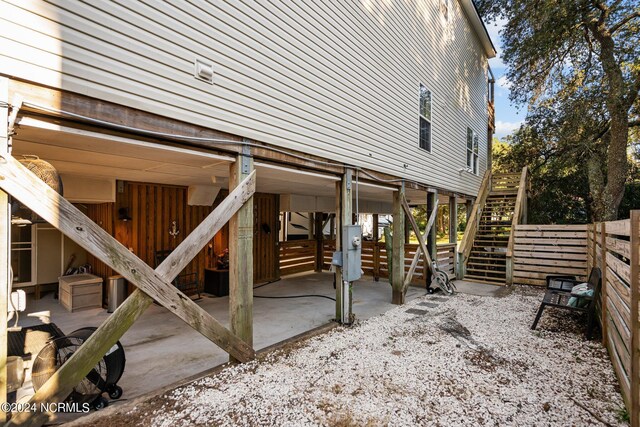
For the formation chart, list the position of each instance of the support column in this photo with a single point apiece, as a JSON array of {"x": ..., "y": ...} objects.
[
  {"x": 5, "y": 230},
  {"x": 398, "y": 242},
  {"x": 374, "y": 232},
  {"x": 453, "y": 220},
  {"x": 344, "y": 216},
  {"x": 469, "y": 209},
  {"x": 319, "y": 241},
  {"x": 407, "y": 229},
  {"x": 310, "y": 226},
  {"x": 332, "y": 225},
  {"x": 241, "y": 256},
  {"x": 432, "y": 236}
]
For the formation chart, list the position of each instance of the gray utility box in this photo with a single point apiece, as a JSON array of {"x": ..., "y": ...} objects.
[
  {"x": 80, "y": 291},
  {"x": 351, "y": 253}
]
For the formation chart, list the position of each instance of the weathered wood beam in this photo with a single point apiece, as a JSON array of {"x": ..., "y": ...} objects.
[
  {"x": 398, "y": 242},
  {"x": 375, "y": 234},
  {"x": 344, "y": 213},
  {"x": 423, "y": 246},
  {"x": 422, "y": 249},
  {"x": 60, "y": 213},
  {"x": 453, "y": 220},
  {"x": 319, "y": 236},
  {"x": 71, "y": 373},
  {"x": 5, "y": 229},
  {"x": 241, "y": 258},
  {"x": 432, "y": 204}
]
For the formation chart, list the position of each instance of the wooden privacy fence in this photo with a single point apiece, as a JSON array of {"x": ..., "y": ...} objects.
[
  {"x": 297, "y": 256},
  {"x": 541, "y": 250},
  {"x": 615, "y": 247},
  {"x": 374, "y": 259}
]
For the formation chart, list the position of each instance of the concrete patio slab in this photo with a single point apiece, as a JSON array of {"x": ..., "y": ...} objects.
[{"x": 161, "y": 349}]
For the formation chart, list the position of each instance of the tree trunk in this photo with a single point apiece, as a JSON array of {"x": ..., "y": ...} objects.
[{"x": 616, "y": 156}]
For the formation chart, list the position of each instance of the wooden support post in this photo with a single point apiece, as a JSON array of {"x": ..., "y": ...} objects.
[
  {"x": 332, "y": 226},
  {"x": 453, "y": 220},
  {"x": 59, "y": 212},
  {"x": 635, "y": 321},
  {"x": 469, "y": 205},
  {"x": 310, "y": 225},
  {"x": 407, "y": 229},
  {"x": 5, "y": 262},
  {"x": 319, "y": 241},
  {"x": 241, "y": 258},
  {"x": 398, "y": 242},
  {"x": 604, "y": 288},
  {"x": 344, "y": 213},
  {"x": 375, "y": 232},
  {"x": 422, "y": 249},
  {"x": 432, "y": 237}
]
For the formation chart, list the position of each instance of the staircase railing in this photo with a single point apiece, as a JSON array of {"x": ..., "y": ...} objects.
[
  {"x": 519, "y": 217},
  {"x": 472, "y": 225}
]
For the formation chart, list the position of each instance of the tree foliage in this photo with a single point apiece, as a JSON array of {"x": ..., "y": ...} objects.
[{"x": 576, "y": 63}]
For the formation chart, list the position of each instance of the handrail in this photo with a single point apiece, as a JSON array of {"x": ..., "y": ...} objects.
[
  {"x": 472, "y": 225},
  {"x": 517, "y": 214}
]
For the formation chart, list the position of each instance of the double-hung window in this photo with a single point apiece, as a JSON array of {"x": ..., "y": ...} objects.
[
  {"x": 425, "y": 118},
  {"x": 472, "y": 151}
]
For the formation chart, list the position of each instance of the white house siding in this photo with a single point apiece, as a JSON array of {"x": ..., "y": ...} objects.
[{"x": 337, "y": 79}]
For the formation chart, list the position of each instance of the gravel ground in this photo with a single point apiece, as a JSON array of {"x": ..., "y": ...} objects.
[{"x": 463, "y": 360}]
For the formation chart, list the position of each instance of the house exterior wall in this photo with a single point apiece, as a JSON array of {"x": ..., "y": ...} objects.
[{"x": 331, "y": 78}]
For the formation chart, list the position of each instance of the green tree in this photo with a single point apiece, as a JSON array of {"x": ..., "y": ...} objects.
[{"x": 577, "y": 64}]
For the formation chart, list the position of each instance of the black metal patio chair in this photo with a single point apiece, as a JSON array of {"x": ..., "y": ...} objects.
[{"x": 558, "y": 294}]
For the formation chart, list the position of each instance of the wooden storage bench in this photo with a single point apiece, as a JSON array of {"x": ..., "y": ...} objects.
[{"x": 80, "y": 292}]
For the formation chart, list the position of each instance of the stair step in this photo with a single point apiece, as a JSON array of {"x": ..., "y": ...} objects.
[
  {"x": 490, "y": 254},
  {"x": 483, "y": 258},
  {"x": 482, "y": 266},
  {"x": 488, "y": 274},
  {"x": 503, "y": 192},
  {"x": 480, "y": 279},
  {"x": 492, "y": 243}
]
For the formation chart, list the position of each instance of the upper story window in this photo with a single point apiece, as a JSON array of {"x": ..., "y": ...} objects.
[
  {"x": 472, "y": 151},
  {"x": 425, "y": 118}
]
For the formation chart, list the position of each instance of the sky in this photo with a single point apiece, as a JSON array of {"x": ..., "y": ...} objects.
[{"x": 508, "y": 116}]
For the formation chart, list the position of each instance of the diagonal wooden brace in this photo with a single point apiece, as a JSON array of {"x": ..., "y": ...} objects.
[
  {"x": 26, "y": 187},
  {"x": 422, "y": 249}
]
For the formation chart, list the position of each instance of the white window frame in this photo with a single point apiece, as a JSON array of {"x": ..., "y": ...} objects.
[
  {"x": 473, "y": 153},
  {"x": 427, "y": 119}
]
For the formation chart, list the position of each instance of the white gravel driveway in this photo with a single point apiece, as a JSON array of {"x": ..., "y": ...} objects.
[{"x": 462, "y": 360}]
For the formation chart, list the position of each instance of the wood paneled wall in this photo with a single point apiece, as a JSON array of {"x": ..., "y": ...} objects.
[{"x": 153, "y": 207}]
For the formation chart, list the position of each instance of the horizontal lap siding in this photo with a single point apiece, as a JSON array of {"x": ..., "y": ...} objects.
[
  {"x": 336, "y": 79},
  {"x": 542, "y": 250}
]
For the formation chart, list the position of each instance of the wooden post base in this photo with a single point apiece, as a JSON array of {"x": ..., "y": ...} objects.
[{"x": 397, "y": 297}]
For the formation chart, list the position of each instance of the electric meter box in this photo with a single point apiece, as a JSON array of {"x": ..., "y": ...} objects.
[{"x": 351, "y": 252}]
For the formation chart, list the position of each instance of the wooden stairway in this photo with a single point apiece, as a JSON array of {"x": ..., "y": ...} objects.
[{"x": 490, "y": 234}]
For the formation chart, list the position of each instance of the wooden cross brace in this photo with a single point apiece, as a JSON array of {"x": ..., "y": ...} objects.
[
  {"x": 422, "y": 249},
  {"x": 16, "y": 180}
]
